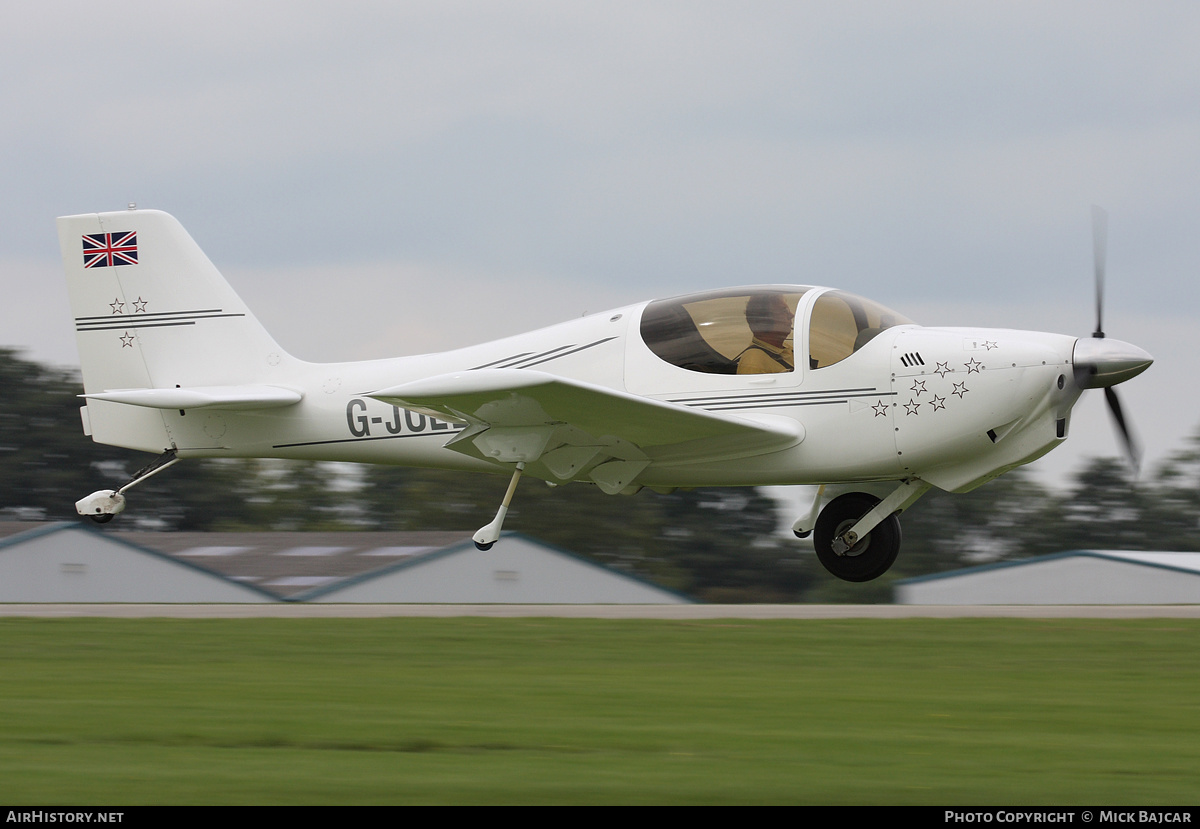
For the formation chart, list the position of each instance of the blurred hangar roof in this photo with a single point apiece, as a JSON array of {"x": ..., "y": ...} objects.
[
  {"x": 73, "y": 562},
  {"x": 1075, "y": 577}
]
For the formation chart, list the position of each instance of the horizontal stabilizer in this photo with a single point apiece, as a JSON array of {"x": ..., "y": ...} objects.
[{"x": 203, "y": 397}]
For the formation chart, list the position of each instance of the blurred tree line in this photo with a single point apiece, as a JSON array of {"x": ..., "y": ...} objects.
[{"x": 712, "y": 544}]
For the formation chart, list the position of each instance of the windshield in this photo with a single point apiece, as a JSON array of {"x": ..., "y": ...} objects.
[{"x": 843, "y": 323}]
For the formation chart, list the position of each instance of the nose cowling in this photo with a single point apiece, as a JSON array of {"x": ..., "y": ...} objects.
[{"x": 1101, "y": 362}]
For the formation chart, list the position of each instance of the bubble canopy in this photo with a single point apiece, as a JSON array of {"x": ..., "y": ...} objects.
[{"x": 751, "y": 330}]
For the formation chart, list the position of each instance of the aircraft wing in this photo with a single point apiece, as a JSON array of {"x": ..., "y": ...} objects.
[{"x": 574, "y": 429}]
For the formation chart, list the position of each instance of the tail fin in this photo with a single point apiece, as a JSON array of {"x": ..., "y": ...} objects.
[{"x": 152, "y": 312}]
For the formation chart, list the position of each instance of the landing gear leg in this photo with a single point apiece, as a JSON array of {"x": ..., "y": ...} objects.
[
  {"x": 105, "y": 505},
  {"x": 487, "y": 536},
  {"x": 858, "y": 536}
]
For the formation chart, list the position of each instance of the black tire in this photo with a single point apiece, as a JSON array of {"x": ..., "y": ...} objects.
[
  {"x": 103, "y": 518},
  {"x": 874, "y": 553},
  {"x": 484, "y": 547}
]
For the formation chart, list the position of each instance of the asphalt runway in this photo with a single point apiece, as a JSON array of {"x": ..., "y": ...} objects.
[{"x": 566, "y": 611}]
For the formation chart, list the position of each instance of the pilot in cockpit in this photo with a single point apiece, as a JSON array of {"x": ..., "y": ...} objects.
[{"x": 770, "y": 322}]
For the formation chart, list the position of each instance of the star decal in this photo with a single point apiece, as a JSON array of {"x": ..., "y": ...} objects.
[
  {"x": 139, "y": 306},
  {"x": 912, "y": 406},
  {"x": 973, "y": 366},
  {"x": 990, "y": 344},
  {"x": 960, "y": 389},
  {"x": 938, "y": 402},
  {"x": 127, "y": 340},
  {"x": 117, "y": 305},
  {"x": 918, "y": 386},
  {"x": 880, "y": 408},
  {"x": 943, "y": 369}
]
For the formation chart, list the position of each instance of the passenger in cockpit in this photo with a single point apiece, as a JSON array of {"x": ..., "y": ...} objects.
[{"x": 770, "y": 322}]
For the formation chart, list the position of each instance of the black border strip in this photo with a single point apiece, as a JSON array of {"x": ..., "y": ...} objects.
[
  {"x": 154, "y": 314},
  {"x": 572, "y": 351},
  {"x": 528, "y": 359},
  {"x": 764, "y": 395},
  {"x": 127, "y": 326},
  {"x": 430, "y": 434},
  {"x": 516, "y": 361},
  {"x": 776, "y": 404},
  {"x": 501, "y": 360},
  {"x": 121, "y": 323}
]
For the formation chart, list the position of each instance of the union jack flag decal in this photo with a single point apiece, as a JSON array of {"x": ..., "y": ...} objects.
[{"x": 108, "y": 250}]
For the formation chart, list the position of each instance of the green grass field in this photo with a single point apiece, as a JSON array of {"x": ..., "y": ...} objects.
[{"x": 266, "y": 711}]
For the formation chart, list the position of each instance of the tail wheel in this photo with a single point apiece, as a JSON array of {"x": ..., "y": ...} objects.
[{"x": 872, "y": 555}]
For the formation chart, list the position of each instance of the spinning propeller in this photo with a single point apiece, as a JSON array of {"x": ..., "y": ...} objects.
[{"x": 1101, "y": 362}]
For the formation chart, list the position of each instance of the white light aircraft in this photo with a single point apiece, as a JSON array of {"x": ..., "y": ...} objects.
[{"x": 759, "y": 385}]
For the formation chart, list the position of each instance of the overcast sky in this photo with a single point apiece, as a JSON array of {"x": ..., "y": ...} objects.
[{"x": 386, "y": 178}]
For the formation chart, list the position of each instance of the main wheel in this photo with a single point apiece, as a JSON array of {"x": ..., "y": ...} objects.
[{"x": 874, "y": 553}]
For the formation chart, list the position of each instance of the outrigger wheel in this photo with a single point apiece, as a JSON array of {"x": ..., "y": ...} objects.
[{"x": 871, "y": 555}]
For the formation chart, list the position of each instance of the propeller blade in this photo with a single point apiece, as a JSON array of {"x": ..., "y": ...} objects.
[
  {"x": 1099, "y": 256},
  {"x": 1132, "y": 451},
  {"x": 1104, "y": 364}
]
